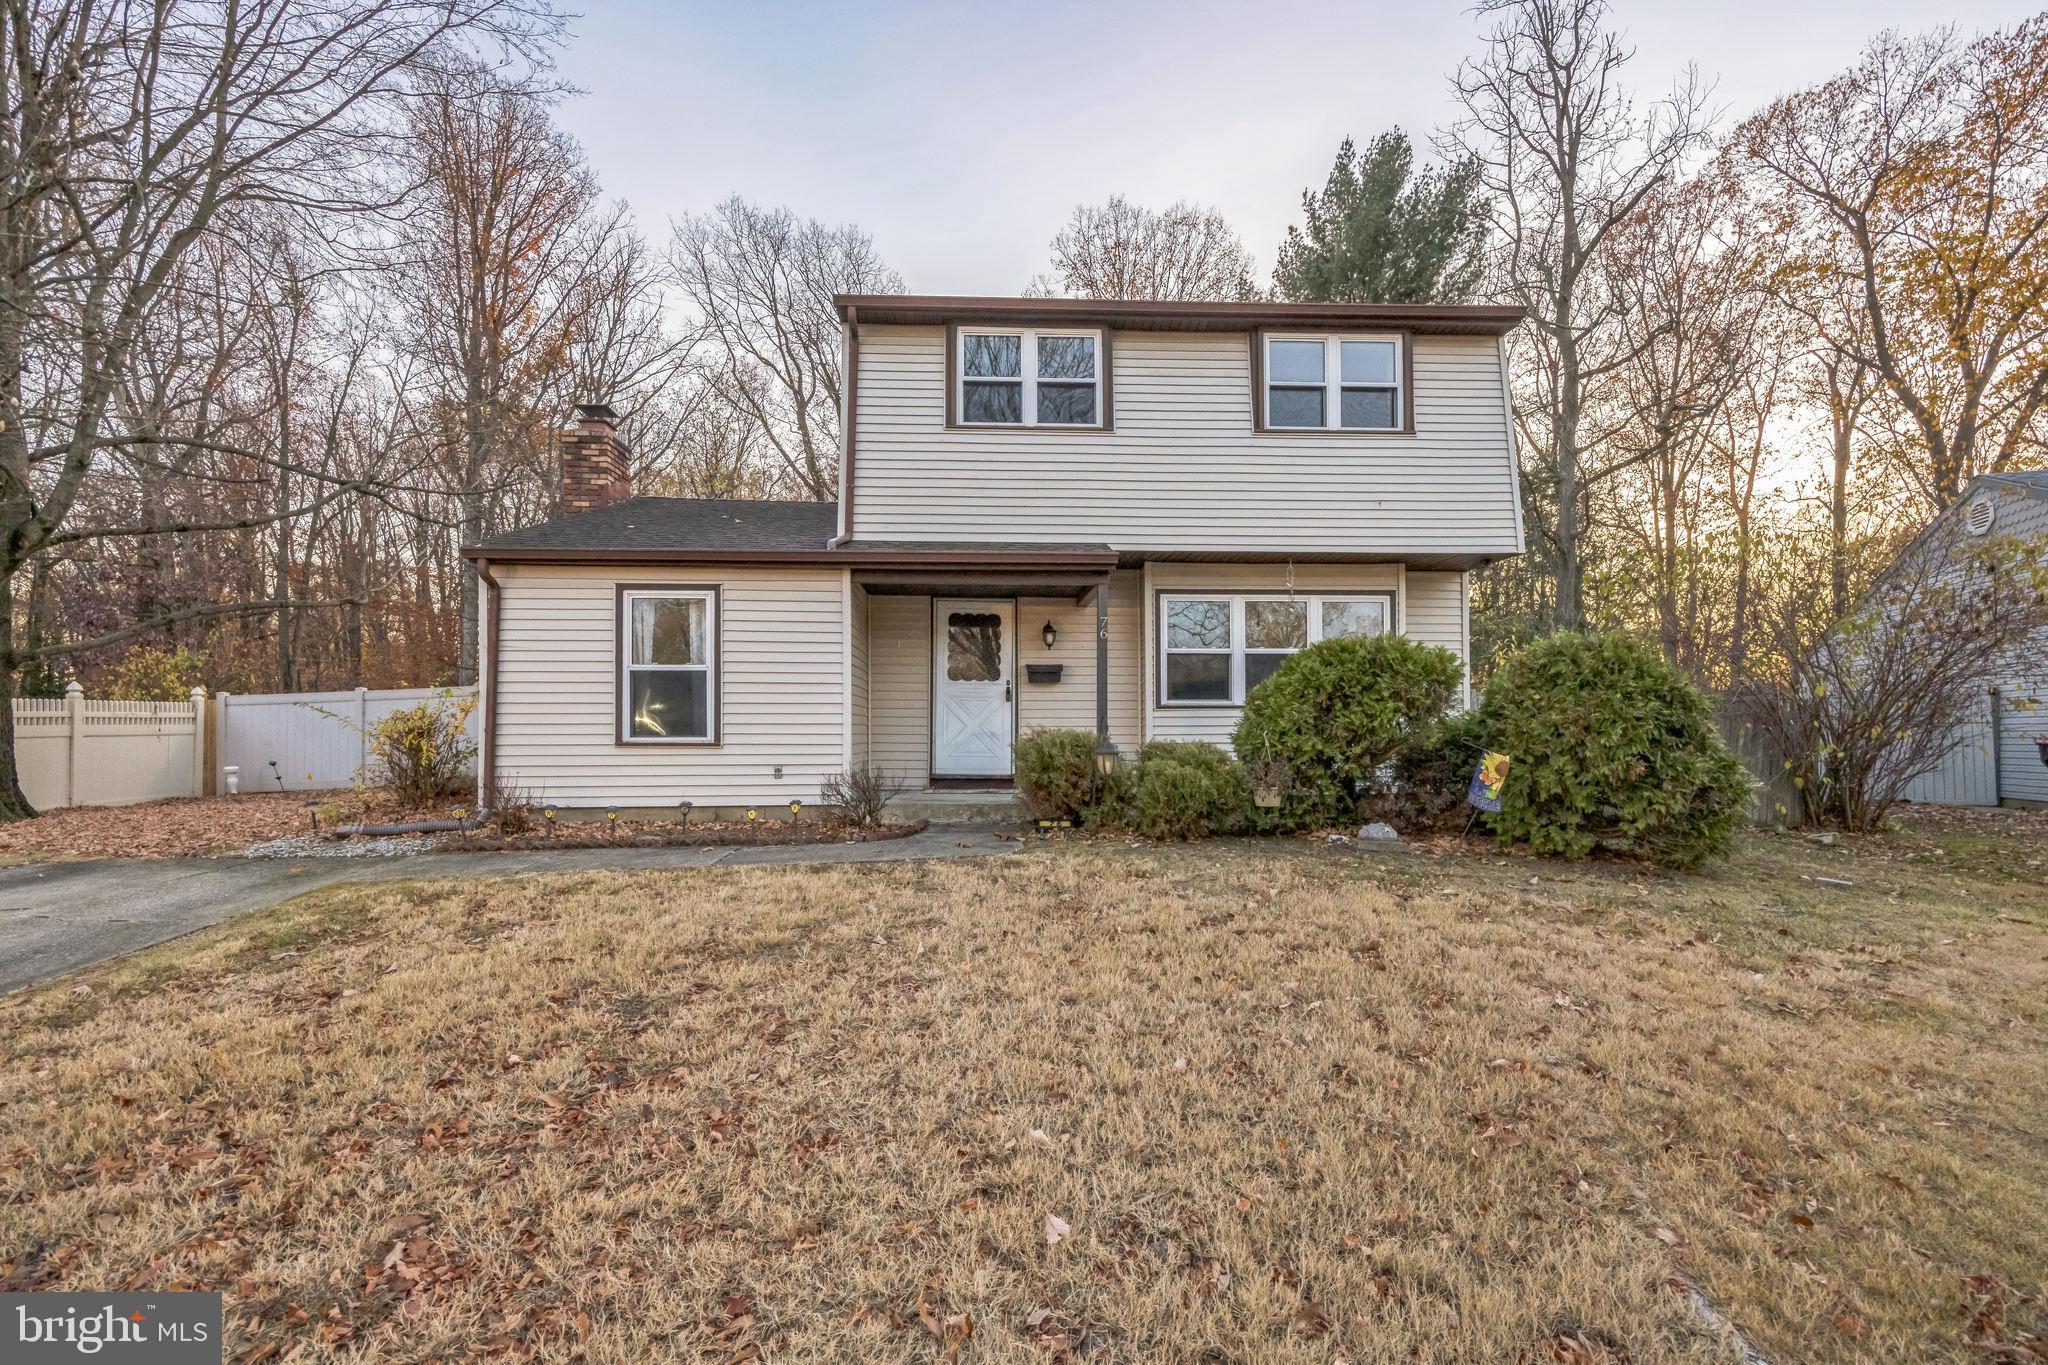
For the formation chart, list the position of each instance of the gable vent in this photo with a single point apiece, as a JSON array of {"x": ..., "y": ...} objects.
[{"x": 1979, "y": 517}]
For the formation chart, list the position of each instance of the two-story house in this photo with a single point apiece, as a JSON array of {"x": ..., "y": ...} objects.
[{"x": 1111, "y": 515}]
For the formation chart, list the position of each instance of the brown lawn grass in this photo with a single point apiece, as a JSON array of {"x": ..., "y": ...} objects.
[{"x": 1289, "y": 1103}]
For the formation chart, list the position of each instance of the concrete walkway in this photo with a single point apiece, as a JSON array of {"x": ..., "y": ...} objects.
[{"x": 55, "y": 917}]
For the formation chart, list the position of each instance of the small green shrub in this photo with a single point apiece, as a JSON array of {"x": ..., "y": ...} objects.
[
  {"x": 1187, "y": 790},
  {"x": 1612, "y": 748},
  {"x": 1432, "y": 776},
  {"x": 1336, "y": 713},
  {"x": 1056, "y": 777},
  {"x": 424, "y": 752}
]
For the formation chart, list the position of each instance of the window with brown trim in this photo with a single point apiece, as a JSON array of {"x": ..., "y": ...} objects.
[
  {"x": 1029, "y": 377},
  {"x": 1215, "y": 647},
  {"x": 668, "y": 666},
  {"x": 1334, "y": 382}
]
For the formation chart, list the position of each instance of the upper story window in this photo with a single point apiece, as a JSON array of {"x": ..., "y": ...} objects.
[
  {"x": 1029, "y": 377},
  {"x": 1334, "y": 383}
]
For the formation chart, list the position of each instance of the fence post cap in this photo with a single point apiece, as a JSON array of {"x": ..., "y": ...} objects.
[
  {"x": 199, "y": 694},
  {"x": 74, "y": 688}
]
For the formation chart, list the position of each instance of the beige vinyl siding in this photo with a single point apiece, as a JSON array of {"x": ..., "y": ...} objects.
[
  {"x": 900, "y": 687},
  {"x": 1215, "y": 722},
  {"x": 1183, "y": 468},
  {"x": 782, "y": 688},
  {"x": 857, "y": 748},
  {"x": 1070, "y": 703},
  {"x": 1436, "y": 615}
]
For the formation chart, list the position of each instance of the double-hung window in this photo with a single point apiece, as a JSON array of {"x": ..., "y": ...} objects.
[
  {"x": 668, "y": 667},
  {"x": 1216, "y": 647},
  {"x": 1334, "y": 383},
  {"x": 1029, "y": 378}
]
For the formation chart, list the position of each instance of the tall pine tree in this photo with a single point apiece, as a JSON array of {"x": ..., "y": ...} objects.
[{"x": 1376, "y": 234}]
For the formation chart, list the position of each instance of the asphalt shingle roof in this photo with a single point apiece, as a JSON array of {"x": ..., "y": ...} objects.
[{"x": 681, "y": 524}]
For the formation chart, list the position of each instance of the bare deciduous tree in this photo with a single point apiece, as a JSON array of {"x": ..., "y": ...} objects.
[
  {"x": 1121, "y": 250},
  {"x": 1566, "y": 158},
  {"x": 1920, "y": 180},
  {"x": 127, "y": 132},
  {"x": 762, "y": 282},
  {"x": 1862, "y": 705},
  {"x": 503, "y": 233}
]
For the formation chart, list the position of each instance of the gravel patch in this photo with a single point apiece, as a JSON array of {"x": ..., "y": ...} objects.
[{"x": 320, "y": 846}]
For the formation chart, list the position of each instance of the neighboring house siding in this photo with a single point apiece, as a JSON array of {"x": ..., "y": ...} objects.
[
  {"x": 1970, "y": 774},
  {"x": 1070, "y": 703},
  {"x": 900, "y": 687},
  {"x": 1215, "y": 723},
  {"x": 782, "y": 685},
  {"x": 1183, "y": 468},
  {"x": 2023, "y": 716}
]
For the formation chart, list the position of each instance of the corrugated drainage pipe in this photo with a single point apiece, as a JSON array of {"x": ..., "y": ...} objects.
[{"x": 416, "y": 826}]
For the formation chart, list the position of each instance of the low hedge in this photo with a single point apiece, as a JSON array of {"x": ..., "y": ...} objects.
[
  {"x": 1056, "y": 777},
  {"x": 1187, "y": 790}
]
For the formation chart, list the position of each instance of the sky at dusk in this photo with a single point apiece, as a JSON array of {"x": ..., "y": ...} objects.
[{"x": 961, "y": 136}]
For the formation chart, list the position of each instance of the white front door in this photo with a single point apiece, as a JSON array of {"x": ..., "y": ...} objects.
[{"x": 974, "y": 669}]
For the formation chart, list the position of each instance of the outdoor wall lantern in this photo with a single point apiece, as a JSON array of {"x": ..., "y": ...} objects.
[{"x": 1051, "y": 635}]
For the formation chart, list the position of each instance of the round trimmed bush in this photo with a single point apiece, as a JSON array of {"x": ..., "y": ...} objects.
[
  {"x": 1187, "y": 790},
  {"x": 1611, "y": 748},
  {"x": 1336, "y": 713}
]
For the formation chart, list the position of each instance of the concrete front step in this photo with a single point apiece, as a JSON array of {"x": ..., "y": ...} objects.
[{"x": 952, "y": 807}]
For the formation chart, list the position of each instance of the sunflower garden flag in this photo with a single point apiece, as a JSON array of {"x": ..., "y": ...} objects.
[{"x": 1487, "y": 780}]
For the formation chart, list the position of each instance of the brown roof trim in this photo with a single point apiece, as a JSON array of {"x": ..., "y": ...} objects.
[
  {"x": 1052, "y": 558},
  {"x": 1176, "y": 315}
]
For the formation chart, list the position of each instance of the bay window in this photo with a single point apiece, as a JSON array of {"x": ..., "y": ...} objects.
[
  {"x": 1334, "y": 383},
  {"x": 668, "y": 684},
  {"x": 1214, "y": 648},
  {"x": 1029, "y": 377}
]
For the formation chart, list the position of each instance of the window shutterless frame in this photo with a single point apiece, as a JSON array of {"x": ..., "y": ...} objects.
[
  {"x": 1329, "y": 614},
  {"x": 1355, "y": 383},
  {"x": 625, "y": 667},
  {"x": 1043, "y": 386}
]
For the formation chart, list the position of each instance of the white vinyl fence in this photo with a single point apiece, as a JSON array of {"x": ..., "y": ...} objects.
[
  {"x": 73, "y": 751},
  {"x": 309, "y": 741}
]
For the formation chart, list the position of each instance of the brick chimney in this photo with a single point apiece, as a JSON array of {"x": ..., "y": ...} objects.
[{"x": 594, "y": 460}]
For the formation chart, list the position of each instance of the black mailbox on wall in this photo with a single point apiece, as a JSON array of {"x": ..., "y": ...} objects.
[{"x": 1043, "y": 673}]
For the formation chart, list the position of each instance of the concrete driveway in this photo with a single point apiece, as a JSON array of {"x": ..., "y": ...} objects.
[{"x": 55, "y": 917}]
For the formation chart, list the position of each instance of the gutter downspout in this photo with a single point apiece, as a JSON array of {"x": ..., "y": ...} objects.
[
  {"x": 848, "y": 422},
  {"x": 487, "y": 763}
]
